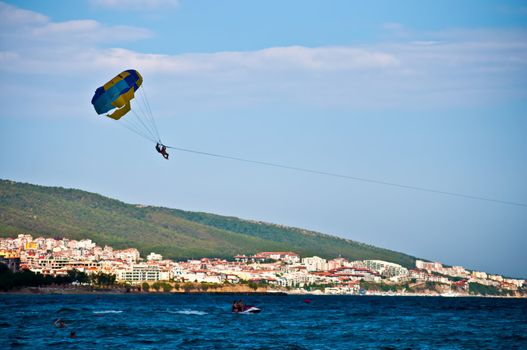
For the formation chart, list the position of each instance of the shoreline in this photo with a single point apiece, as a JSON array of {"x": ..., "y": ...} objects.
[{"x": 122, "y": 291}]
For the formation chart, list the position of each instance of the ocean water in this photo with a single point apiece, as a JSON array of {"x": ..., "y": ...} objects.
[{"x": 205, "y": 321}]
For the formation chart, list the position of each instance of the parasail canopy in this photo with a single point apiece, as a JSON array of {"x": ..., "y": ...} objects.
[
  {"x": 117, "y": 93},
  {"x": 115, "y": 97}
]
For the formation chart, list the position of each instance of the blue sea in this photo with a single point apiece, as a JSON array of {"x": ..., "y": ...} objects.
[{"x": 205, "y": 321}]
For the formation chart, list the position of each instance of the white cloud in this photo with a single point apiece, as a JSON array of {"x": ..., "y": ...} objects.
[
  {"x": 25, "y": 31},
  {"x": 41, "y": 45},
  {"x": 81, "y": 31},
  {"x": 136, "y": 4},
  {"x": 14, "y": 16},
  {"x": 295, "y": 58},
  {"x": 432, "y": 69}
]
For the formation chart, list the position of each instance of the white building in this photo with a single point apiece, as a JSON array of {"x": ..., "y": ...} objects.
[
  {"x": 85, "y": 244},
  {"x": 139, "y": 273},
  {"x": 385, "y": 268},
  {"x": 202, "y": 276},
  {"x": 337, "y": 263},
  {"x": 296, "y": 279},
  {"x": 430, "y": 266},
  {"x": 288, "y": 257},
  {"x": 515, "y": 282},
  {"x": 130, "y": 255},
  {"x": 315, "y": 263},
  {"x": 479, "y": 275},
  {"x": 154, "y": 257}
]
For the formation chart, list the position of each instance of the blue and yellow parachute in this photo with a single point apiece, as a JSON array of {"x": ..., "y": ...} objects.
[
  {"x": 117, "y": 93},
  {"x": 115, "y": 97}
]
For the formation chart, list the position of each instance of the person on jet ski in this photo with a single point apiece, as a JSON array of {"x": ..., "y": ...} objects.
[{"x": 237, "y": 306}]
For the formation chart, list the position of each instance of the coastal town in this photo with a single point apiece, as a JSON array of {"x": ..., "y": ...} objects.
[{"x": 269, "y": 271}]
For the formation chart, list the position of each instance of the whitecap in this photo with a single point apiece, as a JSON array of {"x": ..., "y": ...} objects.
[
  {"x": 108, "y": 312},
  {"x": 188, "y": 312}
]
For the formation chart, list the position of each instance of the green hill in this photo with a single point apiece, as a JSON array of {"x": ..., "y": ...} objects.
[{"x": 177, "y": 234}]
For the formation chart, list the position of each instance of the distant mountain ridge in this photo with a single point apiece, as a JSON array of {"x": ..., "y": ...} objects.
[{"x": 177, "y": 234}]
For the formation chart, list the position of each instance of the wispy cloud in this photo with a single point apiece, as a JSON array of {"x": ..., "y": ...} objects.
[
  {"x": 445, "y": 68},
  {"x": 83, "y": 31},
  {"x": 284, "y": 59},
  {"x": 26, "y": 30},
  {"x": 14, "y": 16}
]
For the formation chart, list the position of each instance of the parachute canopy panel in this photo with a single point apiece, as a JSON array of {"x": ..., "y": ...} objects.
[{"x": 117, "y": 93}]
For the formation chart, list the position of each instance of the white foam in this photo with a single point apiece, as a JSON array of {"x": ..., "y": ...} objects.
[
  {"x": 108, "y": 312},
  {"x": 189, "y": 312}
]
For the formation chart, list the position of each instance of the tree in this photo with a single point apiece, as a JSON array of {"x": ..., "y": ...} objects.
[
  {"x": 157, "y": 286},
  {"x": 27, "y": 278},
  {"x": 6, "y": 278},
  {"x": 166, "y": 287},
  {"x": 78, "y": 276},
  {"x": 481, "y": 289},
  {"x": 145, "y": 286},
  {"x": 103, "y": 279}
]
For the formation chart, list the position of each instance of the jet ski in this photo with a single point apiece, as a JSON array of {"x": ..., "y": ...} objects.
[
  {"x": 248, "y": 309},
  {"x": 239, "y": 307}
]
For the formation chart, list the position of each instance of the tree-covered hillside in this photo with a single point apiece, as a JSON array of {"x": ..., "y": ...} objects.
[{"x": 177, "y": 234}]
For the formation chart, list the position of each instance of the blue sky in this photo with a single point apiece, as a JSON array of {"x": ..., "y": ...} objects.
[{"x": 423, "y": 94}]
